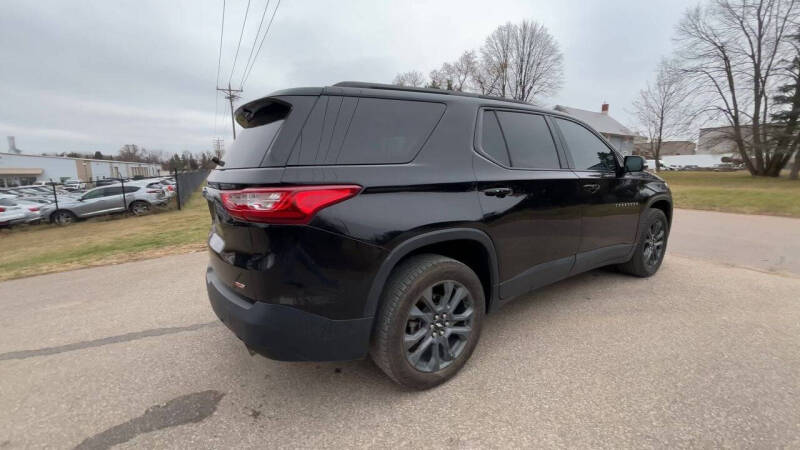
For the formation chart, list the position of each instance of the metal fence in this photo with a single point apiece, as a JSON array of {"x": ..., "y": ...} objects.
[
  {"x": 187, "y": 183},
  {"x": 65, "y": 200}
]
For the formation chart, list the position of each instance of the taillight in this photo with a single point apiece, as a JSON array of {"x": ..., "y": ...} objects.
[
  {"x": 295, "y": 205},
  {"x": 170, "y": 188},
  {"x": 34, "y": 208},
  {"x": 2, "y": 209}
]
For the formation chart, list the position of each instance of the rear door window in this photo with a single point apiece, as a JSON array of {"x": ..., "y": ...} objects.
[
  {"x": 109, "y": 191},
  {"x": 530, "y": 144},
  {"x": 349, "y": 130}
]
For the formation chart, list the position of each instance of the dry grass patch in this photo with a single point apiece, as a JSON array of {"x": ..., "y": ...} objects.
[
  {"x": 49, "y": 248},
  {"x": 736, "y": 192}
]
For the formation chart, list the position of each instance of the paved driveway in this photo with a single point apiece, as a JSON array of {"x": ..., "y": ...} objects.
[
  {"x": 702, "y": 354},
  {"x": 761, "y": 242}
]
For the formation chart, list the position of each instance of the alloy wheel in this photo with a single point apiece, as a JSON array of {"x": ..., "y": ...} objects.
[
  {"x": 438, "y": 326},
  {"x": 139, "y": 208},
  {"x": 654, "y": 243},
  {"x": 63, "y": 218}
]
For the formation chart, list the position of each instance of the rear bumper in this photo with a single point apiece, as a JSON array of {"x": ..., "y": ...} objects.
[{"x": 286, "y": 333}]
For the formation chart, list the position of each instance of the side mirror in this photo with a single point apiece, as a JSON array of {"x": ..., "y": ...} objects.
[{"x": 634, "y": 164}]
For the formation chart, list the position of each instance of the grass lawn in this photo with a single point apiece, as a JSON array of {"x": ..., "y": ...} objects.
[
  {"x": 42, "y": 249},
  {"x": 736, "y": 192}
]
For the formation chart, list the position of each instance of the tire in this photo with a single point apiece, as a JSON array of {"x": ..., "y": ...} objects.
[
  {"x": 412, "y": 307},
  {"x": 63, "y": 217},
  {"x": 140, "y": 208},
  {"x": 651, "y": 246}
]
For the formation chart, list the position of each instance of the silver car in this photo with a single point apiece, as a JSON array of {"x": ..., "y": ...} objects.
[
  {"x": 15, "y": 211},
  {"x": 137, "y": 198}
]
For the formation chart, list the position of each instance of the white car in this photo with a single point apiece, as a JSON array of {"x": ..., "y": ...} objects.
[{"x": 14, "y": 211}]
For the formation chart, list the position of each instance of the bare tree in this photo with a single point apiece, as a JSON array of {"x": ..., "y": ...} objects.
[
  {"x": 787, "y": 119},
  {"x": 662, "y": 108},
  {"x": 496, "y": 55},
  {"x": 455, "y": 76},
  {"x": 521, "y": 62},
  {"x": 536, "y": 64},
  {"x": 412, "y": 79},
  {"x": 731, "y": 51}
]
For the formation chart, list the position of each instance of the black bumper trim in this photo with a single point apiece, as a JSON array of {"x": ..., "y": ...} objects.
[{"x": 285, "y": 333}]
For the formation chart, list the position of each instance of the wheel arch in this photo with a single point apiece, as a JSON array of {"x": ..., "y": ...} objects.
[
  {"x": 664, "y": 203},
  {"x": 460, "y": 244},
  {"x": 52, "y": 215}
]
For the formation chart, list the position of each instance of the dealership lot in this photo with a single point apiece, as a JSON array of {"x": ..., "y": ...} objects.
[{"x": 702, "y": 354}]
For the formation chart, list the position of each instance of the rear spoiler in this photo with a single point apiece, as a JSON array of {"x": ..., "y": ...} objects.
[{"x": 262, "y": 111}]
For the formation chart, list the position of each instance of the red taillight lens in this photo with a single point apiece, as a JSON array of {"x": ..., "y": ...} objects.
[
  {"x": 33, "y": 208},
  {"x": 284, "y": 205},
  {"x": 2, "y": 209},
  {"x": 170, "y": 188}
]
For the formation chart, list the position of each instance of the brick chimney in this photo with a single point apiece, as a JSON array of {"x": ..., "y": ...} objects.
[{"x": 604, "y": 108}]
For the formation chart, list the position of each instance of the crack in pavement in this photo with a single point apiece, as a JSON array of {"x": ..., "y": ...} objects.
[
  {"x": 23, "y": 354},
  {"x": 190, "y": 408}
]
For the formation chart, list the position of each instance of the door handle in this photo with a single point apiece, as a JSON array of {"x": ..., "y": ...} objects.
[
  {"x": 498, "y": 192},
  {"x": 591, "y": 187}
]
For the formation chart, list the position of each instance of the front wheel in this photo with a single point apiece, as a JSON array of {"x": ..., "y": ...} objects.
[
  {"x": 652, "y": 245},
  {"x": 429, "y": 322}
]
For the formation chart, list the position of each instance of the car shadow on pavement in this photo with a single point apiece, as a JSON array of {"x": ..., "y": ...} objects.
[{"x": 316, "y": 381}]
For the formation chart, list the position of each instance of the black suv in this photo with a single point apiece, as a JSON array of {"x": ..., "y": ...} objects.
[{"x": 362, "y": 218}]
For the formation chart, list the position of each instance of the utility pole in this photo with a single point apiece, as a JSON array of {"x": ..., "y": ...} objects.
[
  {"x": 219, "y": 147},
  {"x": 231, "y": 95}
]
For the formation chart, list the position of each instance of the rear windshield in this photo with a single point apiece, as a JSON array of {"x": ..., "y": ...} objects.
[
  {"x": 252, "y": 143},
  {"x": 348, "y": 130}
]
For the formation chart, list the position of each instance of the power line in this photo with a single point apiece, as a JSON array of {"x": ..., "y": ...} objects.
[
  {"x": 244, "y": 22},
  {"x": 248, "y": 72},
  {"x": 258, "y": 32},
  {"x": 219, "y": 65}
]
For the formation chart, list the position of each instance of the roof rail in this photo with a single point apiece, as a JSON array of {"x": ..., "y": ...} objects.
[{"x": 394, "y": 87}]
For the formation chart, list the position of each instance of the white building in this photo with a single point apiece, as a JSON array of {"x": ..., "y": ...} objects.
[{"x": 21, "y": 169}]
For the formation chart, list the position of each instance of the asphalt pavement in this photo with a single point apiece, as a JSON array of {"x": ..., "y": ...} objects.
[{"x": 704, "y": 354}]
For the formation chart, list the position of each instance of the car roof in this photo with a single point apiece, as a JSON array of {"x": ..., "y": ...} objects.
[{"x": 363, "y": 89}]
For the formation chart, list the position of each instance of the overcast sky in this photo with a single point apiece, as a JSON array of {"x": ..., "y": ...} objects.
[{"x": 94, "y": 75}]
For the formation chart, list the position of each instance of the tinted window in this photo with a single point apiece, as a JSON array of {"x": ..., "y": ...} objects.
[
  {"x": 588, "y": 152},
  {"x": 251, "y": 145},
  {"x": 116, "y": 190},
  {"x": 6, "y": 202},
  {"x": 388, "y": 131},
  {"x": 492, "y": 139},
  {"x": 131, "y": 189},
  {"x": 529, "y": 141},
  {"x": 94, "y": 194}
]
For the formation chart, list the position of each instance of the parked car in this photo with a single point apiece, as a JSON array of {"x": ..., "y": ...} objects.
[
  {"x": 170, "y": 186},
  {"x": 14, "y": 211},
  {"x": 137, "y": 198},
  {"x": 361, "y": 218},
  {"x": 169, "y": 190}
]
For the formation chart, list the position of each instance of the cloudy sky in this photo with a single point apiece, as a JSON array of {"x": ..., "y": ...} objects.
[{"x": 94, "y": 75}]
